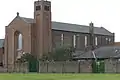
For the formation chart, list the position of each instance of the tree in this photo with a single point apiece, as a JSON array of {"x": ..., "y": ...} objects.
[
  {"x": 60, "y": 54},
  {"x": 26, "y": 58},
  {"x": 32, "y": 62}
]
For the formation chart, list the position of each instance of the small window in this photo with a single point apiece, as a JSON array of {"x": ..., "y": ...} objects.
[
  {"x": 62, "y": 38},
  {"x": 106, "y": 39},
  {"x": 74, "y": 41},
  {"x": 3, "y": 49},
  {"x": 109, "y": 39},
  {"x": 38, "y": 8},
  {"x": 96, "y": 41},
  {"x": 47, "y": 8},
  {"x": 85, "y": 40}
]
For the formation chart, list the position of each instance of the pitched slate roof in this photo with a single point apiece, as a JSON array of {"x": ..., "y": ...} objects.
[
  {"x": 72, "y": 27},
  {"x": 28, "y": 20},
  {"x": 103, "y": 52},
  {"x": 1, "y": 43}
]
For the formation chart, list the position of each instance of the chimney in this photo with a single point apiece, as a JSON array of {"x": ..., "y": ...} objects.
[{"x": 91, "y": 32}]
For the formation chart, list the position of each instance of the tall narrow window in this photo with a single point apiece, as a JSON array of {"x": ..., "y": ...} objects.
[
  {"x": 62, "y": 39},
  {"x": 106, "y": 39},
  {"x": 85, "y": 40},
  {"x": 20, "y": 41},
  {"x": 109, "y": 39},
  {"x": 96, "y": 41},
  {"x": 47, "y": 8},
  {"x": 74, "y": 41}
]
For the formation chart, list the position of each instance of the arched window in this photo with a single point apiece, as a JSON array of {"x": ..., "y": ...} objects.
[
  {"x": 62, "y": 39},
  {"x": 20, "y": 41},
  {"x": 74, "y": 41},
  {"x": 85, "y": 41},
  {"x": 96, "y": 41},
  {"x": 18, "y": 44},
  {"x": 109, "y": 39}
]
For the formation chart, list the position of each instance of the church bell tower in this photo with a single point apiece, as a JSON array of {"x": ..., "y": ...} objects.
[{"x": 42, "y": 17}]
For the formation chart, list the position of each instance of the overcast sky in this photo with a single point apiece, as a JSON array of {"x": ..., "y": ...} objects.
[{"x": 105, "y": 13}]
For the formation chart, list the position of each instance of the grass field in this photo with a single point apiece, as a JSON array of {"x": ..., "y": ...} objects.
[{"x": 59, "y": 76}]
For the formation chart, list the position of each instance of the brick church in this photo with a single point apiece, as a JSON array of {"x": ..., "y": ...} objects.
[{"x": 40, "y": 35}]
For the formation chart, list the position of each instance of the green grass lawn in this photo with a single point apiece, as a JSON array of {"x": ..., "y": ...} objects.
[{"x": 59, "y": 76}]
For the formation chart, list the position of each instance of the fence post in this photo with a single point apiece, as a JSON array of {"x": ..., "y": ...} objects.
[
  {"x": 78, "y": 66},
  {"x": 116, "y": 66},
  {"x": 18, "y": 67},
  {"x": 40, "y": 63},
  {"x": 63, "y": 67},
  {"x": 47, "y": 67}
]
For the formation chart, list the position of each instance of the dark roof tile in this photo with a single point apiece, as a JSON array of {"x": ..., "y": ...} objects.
[
  {"x": 72, "y": 27},
  {"x": 103, "y": 52}
]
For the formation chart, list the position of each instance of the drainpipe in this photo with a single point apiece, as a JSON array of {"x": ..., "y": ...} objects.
[{"x": 93, "y": 53}]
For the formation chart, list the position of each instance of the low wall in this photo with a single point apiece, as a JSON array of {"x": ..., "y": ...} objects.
[
  {"x": 112, "y": 66},
  {"x": 65, "y": 67},
  {"x": 83, "y": 66}
]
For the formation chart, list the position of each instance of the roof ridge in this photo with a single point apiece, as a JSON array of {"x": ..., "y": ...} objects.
[
  {"x": 72, "y": 27},
  {"x": 61, "y": 22},
  {"x": 65, "y": 23},
  {"x": 28, "y": 20},
  {"x": 26, "y": 17},
  {"x": 70, "y": 23}
]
